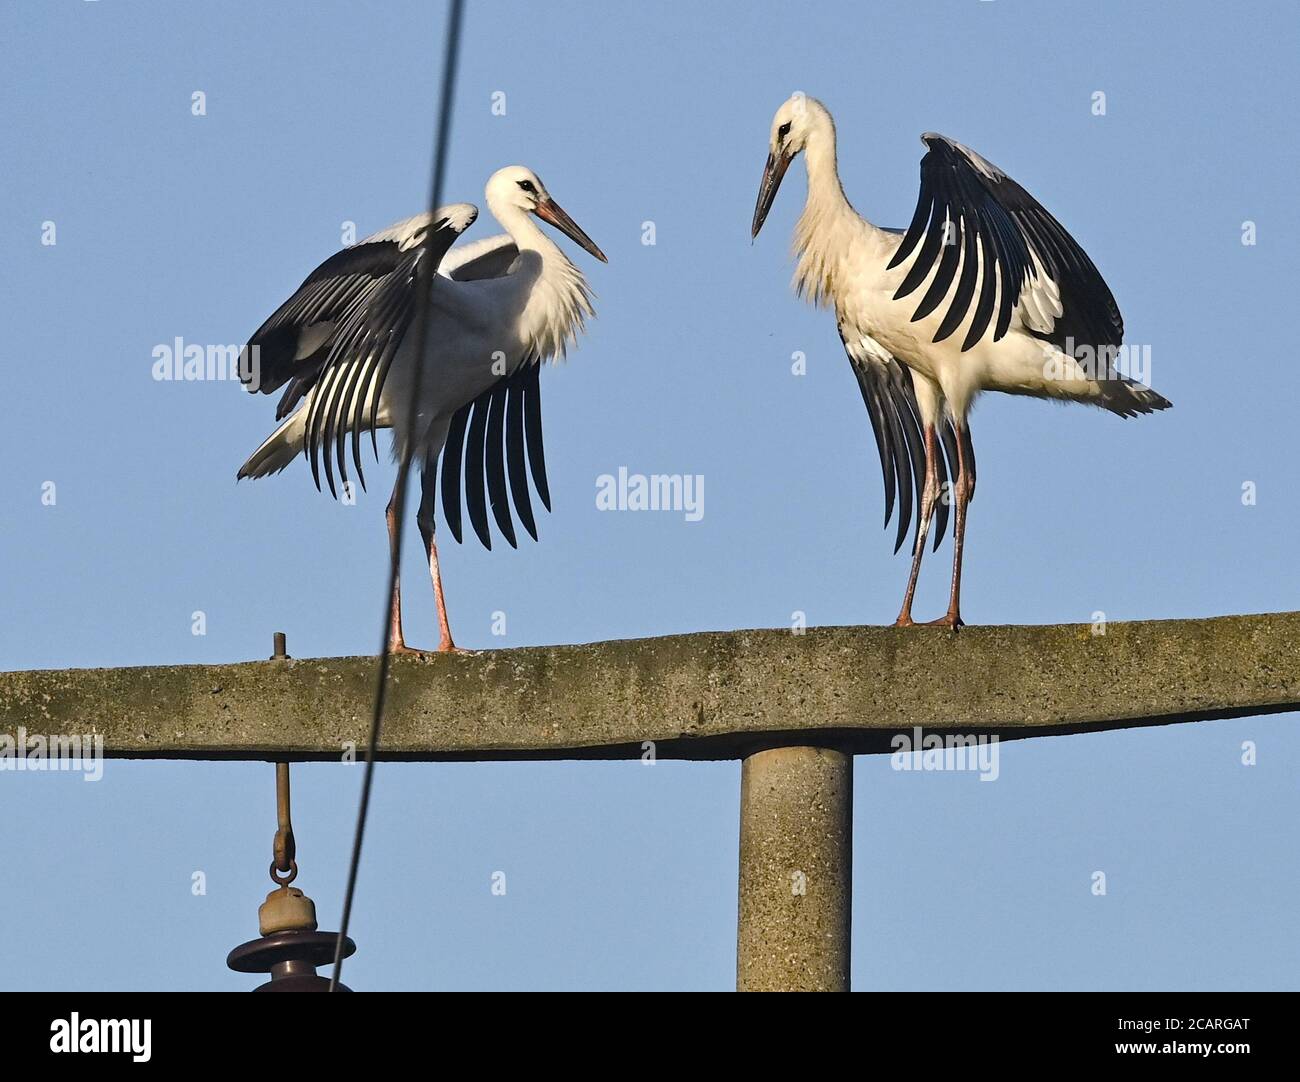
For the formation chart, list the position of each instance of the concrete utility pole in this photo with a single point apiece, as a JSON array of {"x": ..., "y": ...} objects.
[
  {"x": 794, "y": 709},
  {"x": 796, "y": 870}
]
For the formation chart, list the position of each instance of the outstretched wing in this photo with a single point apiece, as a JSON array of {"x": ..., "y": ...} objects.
[
  {"x": 338, "y": 334},
  {"x": 494, "y": 444},
  {"x": 290, "y": 347},
  {"x": 1016, "y": 261},
  {"x": 495, "y": 441},
  {"x": 890, "y": 398}
]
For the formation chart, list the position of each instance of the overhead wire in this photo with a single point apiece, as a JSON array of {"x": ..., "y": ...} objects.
[{"x": 424, "y": 284}]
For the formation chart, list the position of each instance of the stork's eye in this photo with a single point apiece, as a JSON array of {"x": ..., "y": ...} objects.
[
  {"x": 783, "y": 130},
  {"x": 527, "y": 186}
]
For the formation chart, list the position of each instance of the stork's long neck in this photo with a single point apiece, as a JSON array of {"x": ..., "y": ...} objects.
[
  {"x": 555, "y": 299},
  {"x": 829, "y": 226}
]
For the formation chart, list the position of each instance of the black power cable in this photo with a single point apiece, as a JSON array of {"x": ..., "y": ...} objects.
[{"x": 424, "y": 284}]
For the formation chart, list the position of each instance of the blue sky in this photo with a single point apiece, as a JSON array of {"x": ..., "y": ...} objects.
[{"x": 619, "y": 875}]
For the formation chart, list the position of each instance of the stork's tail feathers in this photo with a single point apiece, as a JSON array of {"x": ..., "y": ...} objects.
[
  {"x": 279, "y": 449},
  {"x": 1129, "y": 398}
]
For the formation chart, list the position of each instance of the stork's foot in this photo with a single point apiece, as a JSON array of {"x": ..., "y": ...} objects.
[
  {"x": 400, "y": 648},
  {"x": 951, "y": 620},
  {"x": 443, "y": 648},
  {"x": 452, "y": 648}
]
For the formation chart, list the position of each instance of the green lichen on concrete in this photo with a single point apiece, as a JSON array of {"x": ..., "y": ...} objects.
[{"x": 702, "y": 696}]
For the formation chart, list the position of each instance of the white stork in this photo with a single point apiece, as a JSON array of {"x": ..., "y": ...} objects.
[
  {"x": 499, "y": 308},
  {"x": 1007, "y": 302}
]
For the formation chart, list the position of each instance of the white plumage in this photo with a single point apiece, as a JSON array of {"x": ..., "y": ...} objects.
[
  {"x": 498, "y": 308},
  {"x": 985, "y": 291}
]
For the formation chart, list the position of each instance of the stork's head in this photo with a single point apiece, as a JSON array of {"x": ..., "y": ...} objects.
[
  {"x": 520, "y": 188},
  {"x": 792, "y": 125}
]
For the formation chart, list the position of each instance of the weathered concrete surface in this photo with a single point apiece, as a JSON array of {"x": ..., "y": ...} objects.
[
  {"x": 705, "y": 696},
  {"x": 796, "y": 871}
]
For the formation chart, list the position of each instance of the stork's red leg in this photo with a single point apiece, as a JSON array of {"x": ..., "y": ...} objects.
[
  {"x": 445, "y": 643},
  {"x": 961, "y": 494},
  {"x": 928, "y": 495},
  {"x": 396, "y": 644},
  {"x": 426, "y": 523}
]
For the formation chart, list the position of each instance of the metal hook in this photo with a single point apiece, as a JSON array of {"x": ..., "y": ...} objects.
[{"x": 284, "y": 848}]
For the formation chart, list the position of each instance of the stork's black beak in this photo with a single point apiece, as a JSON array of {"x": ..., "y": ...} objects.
[
  {"x": 548, "y": 210},
  {"x": 772, "y": 174}
]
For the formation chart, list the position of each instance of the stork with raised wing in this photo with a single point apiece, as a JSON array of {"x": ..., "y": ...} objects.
[
  {"x": 498, "y": 309},
  {"x": 1008, "y": 301}
]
